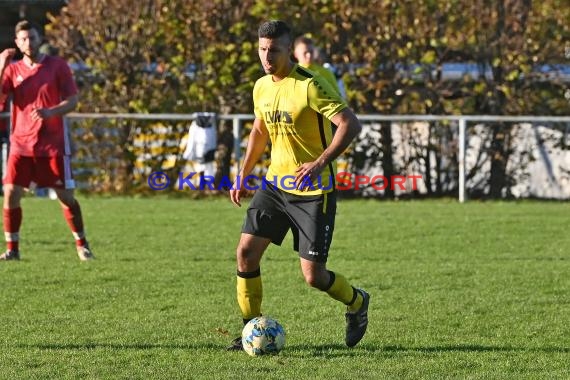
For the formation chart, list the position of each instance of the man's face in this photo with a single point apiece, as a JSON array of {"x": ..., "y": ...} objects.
[
  {"x": 28, "y": 41},
  {"x": 303, "y": 53},
  {"x": 274, "y": 55}
]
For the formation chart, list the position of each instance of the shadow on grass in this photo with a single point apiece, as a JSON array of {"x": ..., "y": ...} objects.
[
  {"x": 475, "y": 348},
  {"x": 339, "y": 350},
  {"x": 327, "y": 350},
  {"x": 120, "y": 346}
]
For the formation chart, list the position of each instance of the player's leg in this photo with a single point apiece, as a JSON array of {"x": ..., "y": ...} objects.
[
  {"x": 12, "y": 217},
  {"x": 333, "y": 283},
  {"x": 72, "y": 214},
  {"x": 249, "y": 287},
  {"x": 18, "y": 176},
  {"x": 56, "y": 173},
  {"x": 264, "y": 223},
  {"x": 313, "y": 238},
  {"x": 338, "y": 288}
]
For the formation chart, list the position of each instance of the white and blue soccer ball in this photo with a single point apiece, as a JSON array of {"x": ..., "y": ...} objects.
[{"x": 262, "y": 336}]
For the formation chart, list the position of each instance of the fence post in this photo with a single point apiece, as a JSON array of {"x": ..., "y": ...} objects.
[
  {"x": 237, "y": 141},
  {"x": 461, "y": 159}
]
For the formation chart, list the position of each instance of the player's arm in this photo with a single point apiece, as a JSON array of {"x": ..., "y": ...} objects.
[
  {"x": 257, "y": 142},
  {"x": 5, "y": 59},
  {"x": 348, "y": 127},
  {"x": 64, "y": 107}
]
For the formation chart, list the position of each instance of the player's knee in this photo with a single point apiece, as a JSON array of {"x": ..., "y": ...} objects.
[
  {"x": 247, "y": 258},
  {"x": 8, "y": 188},
  {"x": 66, "y": 197},
  {"x": 315, "y": 279},
  {"x": 243, "y": 251},
  {"x": 12, "y": 196}
]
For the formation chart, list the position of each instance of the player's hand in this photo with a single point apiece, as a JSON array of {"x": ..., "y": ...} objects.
[
  {"x": 307, "y": 173},
  {"x": 41, "y": 114},
  {"x": 236, "y": 191},
  {"x": 6, "y": 56}
]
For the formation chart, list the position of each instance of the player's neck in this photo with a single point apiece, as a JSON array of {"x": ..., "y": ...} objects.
[
  {"x": 284, "y": 73},
  {"x": 32, "y": 61}
]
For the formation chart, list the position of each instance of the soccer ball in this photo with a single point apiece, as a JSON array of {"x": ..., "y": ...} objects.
[{"x": 262, "y": 335}]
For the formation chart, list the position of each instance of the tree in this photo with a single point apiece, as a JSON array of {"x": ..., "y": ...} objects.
[{"x": 188, "y": 56}]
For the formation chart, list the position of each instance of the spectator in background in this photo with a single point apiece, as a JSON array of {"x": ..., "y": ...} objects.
[
  {"x": 310, "y": 57},
  {"x": 201, "y": 145},
  {"x": 224, "y": 153},
  {"x": 320, "y": 58},
  {"x": 43, "y": 90},
  {"x": 339, "y": 81}
]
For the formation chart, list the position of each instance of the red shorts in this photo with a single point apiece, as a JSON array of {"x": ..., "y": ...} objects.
[{"x": 54, "y": 172}]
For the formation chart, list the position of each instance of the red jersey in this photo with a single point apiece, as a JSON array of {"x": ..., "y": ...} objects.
[
  {"x": 4, "y": 121},
  {"x": 43, "y": 86}
]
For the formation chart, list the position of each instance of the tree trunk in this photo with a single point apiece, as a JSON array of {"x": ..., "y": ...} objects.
[
  {"x": 499, "y": 159},
  {"x": 387, "y": 156}
]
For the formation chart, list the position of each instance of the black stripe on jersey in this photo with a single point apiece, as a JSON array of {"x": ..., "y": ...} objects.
[
  {"x": 304, "y": 72},
  {"x": 321, "y": 122}
]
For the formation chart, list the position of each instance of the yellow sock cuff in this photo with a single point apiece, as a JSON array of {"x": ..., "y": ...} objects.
[
  {"x": 249, "y": 293},
  {"x": 340, "y": 289},
  {"x": 355, "y": 305}
]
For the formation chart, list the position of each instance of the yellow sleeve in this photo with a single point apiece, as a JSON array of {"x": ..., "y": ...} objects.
[{"x": 323, "y": 98}]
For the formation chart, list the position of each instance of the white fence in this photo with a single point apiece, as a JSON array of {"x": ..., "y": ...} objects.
[
  {"x": 548, "y": 165},
  {"x": 543, "y": 162}
]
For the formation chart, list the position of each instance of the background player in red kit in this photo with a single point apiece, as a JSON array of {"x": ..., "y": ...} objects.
[{"x": 43, "y": 90}]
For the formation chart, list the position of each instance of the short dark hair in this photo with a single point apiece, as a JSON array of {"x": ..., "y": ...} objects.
[
  {"x": 274, "y": 29},
  {"x": 26, "y": 25},
  {"x": 303, "y": 40}
]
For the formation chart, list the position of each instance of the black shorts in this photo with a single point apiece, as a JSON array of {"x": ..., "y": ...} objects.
[{"x": 272, "y": 212}]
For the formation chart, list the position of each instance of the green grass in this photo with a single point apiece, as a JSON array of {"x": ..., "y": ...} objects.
[{"x": 478, "y": 291}]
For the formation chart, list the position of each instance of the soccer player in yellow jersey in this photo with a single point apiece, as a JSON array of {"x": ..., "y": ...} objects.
[
  {"x": 294, "y": 109},
  {"x": 305, "y": 53}
]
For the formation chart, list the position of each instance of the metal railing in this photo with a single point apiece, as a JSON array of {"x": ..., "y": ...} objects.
[{"x": 239, "y": 119}]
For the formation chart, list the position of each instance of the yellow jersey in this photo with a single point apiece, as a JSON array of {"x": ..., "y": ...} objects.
[
  {"x": 325, "y": 73},
  {"x": 297, "y": 112}
]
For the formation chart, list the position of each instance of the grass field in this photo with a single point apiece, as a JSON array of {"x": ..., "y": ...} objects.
[{"x": 477, "y": 291}]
